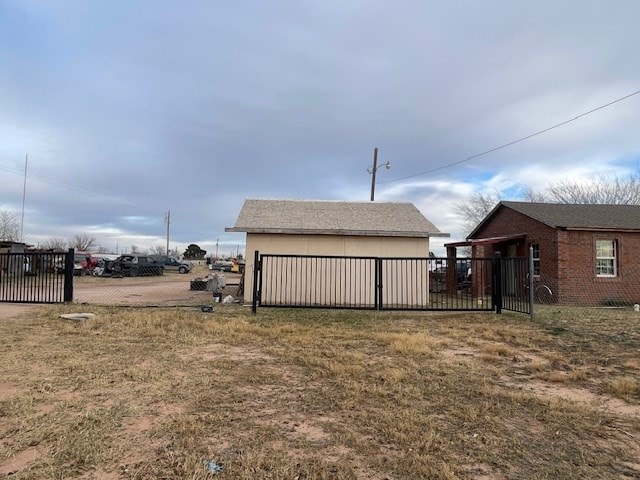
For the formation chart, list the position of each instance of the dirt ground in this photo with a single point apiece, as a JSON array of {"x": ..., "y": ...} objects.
[
  {"x": 11, "y": 310},
  {"x": 166, "y": 290}
]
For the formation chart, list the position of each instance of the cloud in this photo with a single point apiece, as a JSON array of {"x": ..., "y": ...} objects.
[{"x": 128, "y": 110}]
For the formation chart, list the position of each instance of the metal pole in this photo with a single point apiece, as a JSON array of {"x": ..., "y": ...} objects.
[
  {"x": 24, "y": 194},
  {"x": 497, "y": 281},
  {"x": 373, "y": 173},
  {"x": 168, "y": 222},
  {"x": 257, "y": 274},
  {"x": 530, "y": 277}
]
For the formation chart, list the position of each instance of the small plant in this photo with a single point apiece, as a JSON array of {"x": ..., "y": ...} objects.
[{"x": 623, "y": 387}]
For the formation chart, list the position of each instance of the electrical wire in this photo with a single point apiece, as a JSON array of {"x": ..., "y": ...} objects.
[
  {"x": 540, "y": 132},
  {"x": 63, "y": 184}
]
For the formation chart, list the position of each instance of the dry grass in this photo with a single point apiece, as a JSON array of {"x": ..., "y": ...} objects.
[{"x": 299, "y": 394}]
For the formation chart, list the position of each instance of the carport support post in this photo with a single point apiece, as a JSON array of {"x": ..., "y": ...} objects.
[
  {"x": 452, "y": 271},
  {"x": 497, "y": 282}
]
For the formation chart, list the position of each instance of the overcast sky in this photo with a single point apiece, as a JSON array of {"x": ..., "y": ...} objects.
[{"x": 129, "y": 109}]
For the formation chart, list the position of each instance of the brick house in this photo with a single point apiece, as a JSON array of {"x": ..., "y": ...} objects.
[{"x": 588, "y": 254}]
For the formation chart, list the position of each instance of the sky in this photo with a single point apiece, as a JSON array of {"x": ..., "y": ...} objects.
[{"x": 128, "y": 110}]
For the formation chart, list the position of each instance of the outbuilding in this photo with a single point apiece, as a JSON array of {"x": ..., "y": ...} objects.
[{"x": 332, "y": 228}]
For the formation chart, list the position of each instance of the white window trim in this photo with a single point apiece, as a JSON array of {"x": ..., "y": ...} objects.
[
  {"x": 614, "y": 258},
  {"x": 536, "y": 259}
]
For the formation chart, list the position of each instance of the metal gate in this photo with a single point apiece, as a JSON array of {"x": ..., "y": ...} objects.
[
  {"x": 36, "y": 277},
  {"x": 384, "y": 283},
  {"x": 514, "y": 284}
]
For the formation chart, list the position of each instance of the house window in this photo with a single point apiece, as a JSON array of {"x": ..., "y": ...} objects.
[
  {"x": 536, "y": 259},
  {"x": 606, "y": 258}
]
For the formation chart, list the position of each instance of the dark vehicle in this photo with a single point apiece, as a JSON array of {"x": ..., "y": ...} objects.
[
  {"x": 133, "y": 266},
  {"x": 172, "y": 264}
]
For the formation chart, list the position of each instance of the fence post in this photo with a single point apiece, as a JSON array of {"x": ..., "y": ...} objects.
[
  {"x": 497, "y": 282},
  {"x": 256, "y": 277},
  {"x": 68, "y": 276},
  {"x": 530, "y": 278},
  {"x": 378, "y": 285}
]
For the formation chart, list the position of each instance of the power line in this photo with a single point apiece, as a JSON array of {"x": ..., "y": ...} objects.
[
  {"x": 61, "y": 184},
  {"x": 540, "y": 132}
]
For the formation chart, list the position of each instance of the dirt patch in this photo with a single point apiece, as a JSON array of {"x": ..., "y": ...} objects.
[
  {"x": 19, "y": 461},
  {"x": 540, "y": 388},
  {"x": 14, "y": 310},
  {"x": 8, "y": 390},
  {"x": 580, "y": 395}
]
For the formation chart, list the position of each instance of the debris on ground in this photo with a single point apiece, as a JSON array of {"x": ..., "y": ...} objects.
[
  {"x": 78, "y": 316},
  {"x": 213, "y": 467}
]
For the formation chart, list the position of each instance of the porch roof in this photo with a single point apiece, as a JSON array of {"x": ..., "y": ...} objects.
[{"x": 488, "y": 240}]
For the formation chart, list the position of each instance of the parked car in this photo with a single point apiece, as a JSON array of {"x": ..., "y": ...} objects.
[
  {"x": 222, "y": 265},
  {"x": 133, "y": 265},
  {"x": 83, "y": 264},
  {"x": 172, "y": 264}
]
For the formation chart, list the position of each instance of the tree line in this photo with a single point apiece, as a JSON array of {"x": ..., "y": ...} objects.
[{"x": 10, "y": 231}]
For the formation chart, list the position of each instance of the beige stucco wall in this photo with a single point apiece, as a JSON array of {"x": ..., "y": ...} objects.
[{"x": 338, "y": 245}]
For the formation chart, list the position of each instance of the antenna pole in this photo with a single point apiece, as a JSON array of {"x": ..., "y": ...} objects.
[
  {"x": 24, "y": 195},
  {"x": 167, "y": 219}
]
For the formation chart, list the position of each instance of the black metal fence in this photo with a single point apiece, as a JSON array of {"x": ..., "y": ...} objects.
[
  {"x": 36, "y": 277},
  {"x": 380, "y": 283},
  {"x": 513, "y": 280}
]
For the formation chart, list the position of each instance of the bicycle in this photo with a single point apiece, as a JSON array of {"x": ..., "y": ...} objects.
[{"x": 542, "y": 293}]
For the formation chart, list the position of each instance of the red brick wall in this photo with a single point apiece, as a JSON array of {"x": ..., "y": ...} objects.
[{"x": 577, "y": 274}]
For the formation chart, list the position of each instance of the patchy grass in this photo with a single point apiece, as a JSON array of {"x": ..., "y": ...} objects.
[{"x": 313, "y": 394}]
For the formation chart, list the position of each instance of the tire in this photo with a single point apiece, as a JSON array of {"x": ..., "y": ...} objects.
[{"x": 182, "y": 270}]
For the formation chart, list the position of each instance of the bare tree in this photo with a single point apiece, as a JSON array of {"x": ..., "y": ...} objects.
[
  {"x": 134, "y": 249},
  {"x": 54, "y": 243},
  {"x": 530, "y": 195},
  {"x": 158, "y": 250},
  {"x": 476, "y": 207},
  {"x": 9, "y": 226},
  {"x": 82, "y": 242},
  {"x": 599, "y": 190}
]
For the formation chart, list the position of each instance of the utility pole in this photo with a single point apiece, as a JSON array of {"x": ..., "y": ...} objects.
[
  {"x": 217, "y": 240},
  {"x": 373, "y": 173},
  {"x": 167, "y": 220},
  {"x": 24, "y": 195},
  {"x": 373, "y": 170}
]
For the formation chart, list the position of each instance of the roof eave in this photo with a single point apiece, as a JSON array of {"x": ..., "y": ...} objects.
[
  {"x": 345, "y": 232},
  {"x": 601, "y": 229}
]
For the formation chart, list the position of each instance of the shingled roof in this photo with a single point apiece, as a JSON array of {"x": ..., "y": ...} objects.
[
  {"x": 575, "y": 216},
  {"x": 325, "y": 217}
]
